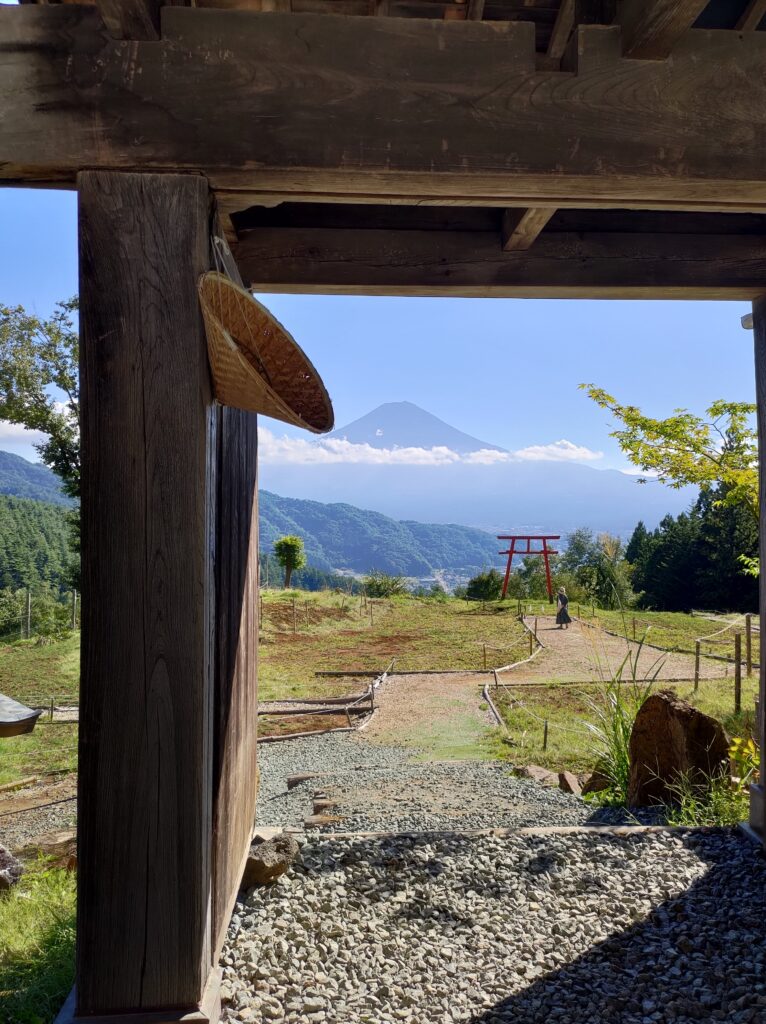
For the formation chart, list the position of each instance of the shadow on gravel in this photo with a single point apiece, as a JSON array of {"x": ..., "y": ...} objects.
[{"x": 698, "y": 957}]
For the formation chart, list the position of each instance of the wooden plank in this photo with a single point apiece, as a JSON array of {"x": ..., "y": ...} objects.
[
  {"x": 752, "y": 16},
  {"x": 651, "y": 28},
  {"x": 520, "y": 228},
  {"x": 269, "y": 87},
  {"x": 566, "y": 265},
  {"x": 562, "y": 29},
  {"x": 475, "y": 10},
  {"x": 145, "y": 759},
  {"x": 131, "y": 19},
  {"x": 236, "y": 778},
  {"x": 757, "y": 804}
]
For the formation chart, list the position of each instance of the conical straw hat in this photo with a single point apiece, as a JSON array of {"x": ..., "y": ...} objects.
[{"x": 256, "y": 364}]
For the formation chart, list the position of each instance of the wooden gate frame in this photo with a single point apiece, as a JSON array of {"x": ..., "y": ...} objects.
[{"x": 529, "y": 159}]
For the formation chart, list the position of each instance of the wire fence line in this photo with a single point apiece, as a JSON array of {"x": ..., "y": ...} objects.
[{"x": 28, "y": 614}]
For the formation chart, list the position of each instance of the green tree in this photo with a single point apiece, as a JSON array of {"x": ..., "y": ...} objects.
[
  {"x": 688, "y": 449},
  {"x": 39, "y": 362},
  {"x": 290, "y": 555},
  {"x": 486, "y": 586}
]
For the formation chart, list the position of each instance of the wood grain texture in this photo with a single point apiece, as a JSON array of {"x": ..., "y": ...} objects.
[
  {"x": 560, "y": 264},
  {"x": 651, "y": 28},
  {"x": 131, "y": 19},
  {"x": 757, "y": 802},
  {"x": 306, "y": 101},
  {"x": 562, "y": 29},
  {"x": 520, "y": 228},
  {"x": 146, "y": 706},
  {"x": 236, "y": 715},
  {"x": 752, "y": 16}
]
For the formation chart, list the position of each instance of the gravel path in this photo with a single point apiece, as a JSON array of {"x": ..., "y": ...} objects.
[
  {"x": 658, "y": 928},
  {"x": 380, "y": 789},
  {"x": 583, "y": 652},
  {"x": 21, "y": 819}
]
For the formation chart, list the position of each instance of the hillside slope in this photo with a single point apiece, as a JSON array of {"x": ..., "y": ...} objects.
[
  {"x": 345, "y": 537},
  {"x": 23, "y": 479}
]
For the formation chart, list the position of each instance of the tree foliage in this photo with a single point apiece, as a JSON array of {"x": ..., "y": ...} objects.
[
  {"x": 290, "y": 555},
  {"x": 383, "y": 584},
  {"x": 695, "y": 559},
  {"x": 486, "y": 586},
  {"x": 682, "y": 449},
  {"x": 39, "y": 361}
]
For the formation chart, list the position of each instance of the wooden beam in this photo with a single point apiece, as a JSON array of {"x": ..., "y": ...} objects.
[
  {"x": 475, "y": 10},
  {"x": 752, "y": 16},
  {"x": 144, "y": 941},
  {"x": 757, "y": 800},
  {"x": 651, "y": 28},
  {"x": 521, "y": 227},
  {"x": 562, "y": 30},
  {"x": 297, "y": 102},
  {"x": 131, "y": 19},
  {"x": 450, "y": 263}
]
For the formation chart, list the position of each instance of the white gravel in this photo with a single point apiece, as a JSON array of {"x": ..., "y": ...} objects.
[{"x": 555, "y": 929}]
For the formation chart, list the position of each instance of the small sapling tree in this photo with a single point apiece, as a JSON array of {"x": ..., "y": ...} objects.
[{"x": 290, "y": 555}]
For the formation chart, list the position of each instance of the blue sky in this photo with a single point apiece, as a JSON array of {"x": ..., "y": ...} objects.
[{"x": 504, "y": 370}]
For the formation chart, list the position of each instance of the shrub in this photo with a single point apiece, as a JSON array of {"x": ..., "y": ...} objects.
[
  {"x": 381, "y": 584},
  {"x": 487, "y": 586}
]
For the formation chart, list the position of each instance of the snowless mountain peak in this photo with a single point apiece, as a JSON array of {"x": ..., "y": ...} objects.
[{"x": 406, "y": 425}]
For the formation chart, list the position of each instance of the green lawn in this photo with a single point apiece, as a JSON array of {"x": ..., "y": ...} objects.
[
  {"x": 567, "y": 709},
  {"x": 37, "y": 933},
  {"x": 336, "y": 634},
  {"x": 677, "y": 630},
  {"x": 35, "y": 676}
]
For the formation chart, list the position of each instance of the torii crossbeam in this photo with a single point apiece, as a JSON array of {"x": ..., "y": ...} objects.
[{"x": 516, "y": 549}]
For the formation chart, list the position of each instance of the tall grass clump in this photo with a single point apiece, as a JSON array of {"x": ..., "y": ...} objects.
[
  {"x": 614, "y": 710},
  {"x": 37, "y": 935}
]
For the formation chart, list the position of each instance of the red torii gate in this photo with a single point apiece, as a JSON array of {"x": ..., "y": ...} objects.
[{"x": 513, "y": 550}]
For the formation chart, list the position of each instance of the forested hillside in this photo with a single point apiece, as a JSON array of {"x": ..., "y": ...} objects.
[
  {"x": 24, "y": 479},
  {"x": 344, "y": 537},
  {"x": 34, "y": 544}
]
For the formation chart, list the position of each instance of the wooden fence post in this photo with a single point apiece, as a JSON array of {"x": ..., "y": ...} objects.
[
  {"x": 485, "y": 656},
  {"x": 696, "y": 665},
  {"x": 545, "y": 734},
  {"x": 737, "y": 672},
  {"x": 749, "y": 644},
  {"x": 531, "y": 643},
  {"x": 295, "y": 618}
]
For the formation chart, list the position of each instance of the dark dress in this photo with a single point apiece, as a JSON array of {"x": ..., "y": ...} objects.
[{"x": 562, "y": 615}]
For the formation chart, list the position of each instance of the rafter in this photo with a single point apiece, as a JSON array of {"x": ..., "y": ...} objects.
[
  {"x": 131, "y": 19},
  {"x": 521, "y": 227},
  {"x": 651, "y": 28},
  {"x": 752, "y": 16},
  {"x": 562, "y": 30}
]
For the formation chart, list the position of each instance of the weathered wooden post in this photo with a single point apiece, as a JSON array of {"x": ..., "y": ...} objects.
[
  {"x": 749, "y": 644},
  {"x": 545, "y": 734},
  {"x": 757, "y": 801},
  {"x": 531, "y": 643},
  {"x": 737, "y": 673},
  {"x": 145, "y": 940},
  {"x": 696, "y": 665},
  {"x": 485, "y": 656}
]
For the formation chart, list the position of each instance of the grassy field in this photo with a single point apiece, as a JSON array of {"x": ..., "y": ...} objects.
[
  {"x": 37, "y": 933},
  {"x": 35, "y": 675},
  {"x": 333, "y": 633},
  {"x": 676, "y": 631},
  {"x": 570, "y": 743}
]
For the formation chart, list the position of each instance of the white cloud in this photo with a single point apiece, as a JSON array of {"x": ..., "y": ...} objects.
[
  {"x": 335, "y": 450},
  {"x": 16, "y": 432},
  {"x": 558, "y": 451}
]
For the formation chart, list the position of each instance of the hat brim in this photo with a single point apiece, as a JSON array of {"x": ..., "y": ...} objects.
[{"x": 255, "y": 363}]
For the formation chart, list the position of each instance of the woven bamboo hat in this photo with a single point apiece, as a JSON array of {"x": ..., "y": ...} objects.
[{"x": 256, "y": 364}]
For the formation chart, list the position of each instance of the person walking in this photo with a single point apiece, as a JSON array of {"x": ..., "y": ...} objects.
[{"x": 562, "y": 609}]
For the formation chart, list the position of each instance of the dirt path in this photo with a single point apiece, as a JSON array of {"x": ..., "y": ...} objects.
[
  {"x": 583, "y": 653},
  {"x": 440, "y": 714}
]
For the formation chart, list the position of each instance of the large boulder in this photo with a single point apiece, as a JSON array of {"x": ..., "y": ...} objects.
[
  {"x": 267, "y": 861},
  {"x": 10, "y": 869},
  {"x": 672, "y": 741}
]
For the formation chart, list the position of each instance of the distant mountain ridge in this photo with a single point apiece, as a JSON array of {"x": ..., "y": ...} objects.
[
  {"x": 23, "y": 479},
  {"x": 339, "y": 536},
  {"x": 406, "y": 425}
]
